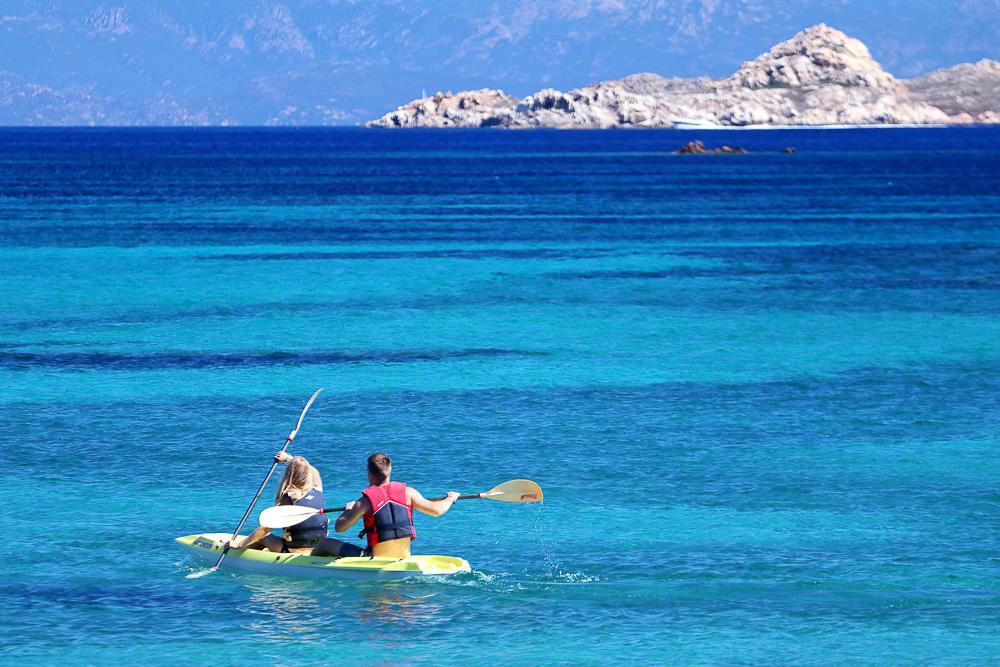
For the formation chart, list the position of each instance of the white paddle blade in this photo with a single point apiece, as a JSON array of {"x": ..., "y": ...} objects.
[
  {"x": 516, "y": 491},
  {"x": 199, "y": 574},
  {"x": 283, "y": 516}
]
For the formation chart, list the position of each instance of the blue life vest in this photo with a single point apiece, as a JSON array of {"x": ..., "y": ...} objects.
[{"x": 310, "y": 531}]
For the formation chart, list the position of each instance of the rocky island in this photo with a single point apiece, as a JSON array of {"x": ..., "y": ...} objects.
[{"x": 818, "y": 77}]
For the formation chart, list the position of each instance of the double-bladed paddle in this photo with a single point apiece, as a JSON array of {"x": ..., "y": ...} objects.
[
  {"x": 288, "y": 440},
  {"x": 514, "y": 491}
]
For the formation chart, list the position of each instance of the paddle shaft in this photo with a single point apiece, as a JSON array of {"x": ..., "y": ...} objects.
[
  {"x": 468, "y": 496},
  {"x": 267, "y": 478},
  {"x": 246, "y": 515}
]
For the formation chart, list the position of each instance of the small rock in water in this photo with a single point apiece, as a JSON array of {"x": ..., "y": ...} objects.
[
  {"x": 693, "y": 147},
  {"x": 698, "y": 148}
]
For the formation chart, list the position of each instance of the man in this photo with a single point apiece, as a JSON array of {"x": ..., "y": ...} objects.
[{"x": 387, "y": 510}]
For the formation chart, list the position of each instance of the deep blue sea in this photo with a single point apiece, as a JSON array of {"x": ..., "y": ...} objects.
[{"x": 761, "y": 392}]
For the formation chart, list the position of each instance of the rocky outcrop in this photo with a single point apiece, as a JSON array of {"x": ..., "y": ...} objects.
[
  {"x": 818, "y": 77},
  {"x": 474, "y": 108},
  {"x": 971, "y": 90},
  {"x": 698, "y": 148},
  {"x": 818, "y": 56}
]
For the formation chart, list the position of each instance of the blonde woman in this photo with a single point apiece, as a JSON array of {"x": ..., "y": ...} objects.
[{"x": 301, "y": 485}]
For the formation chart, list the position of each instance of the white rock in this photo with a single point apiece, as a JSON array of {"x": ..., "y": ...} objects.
[
  {"x": 475, "y": 108},
  {"x": 972, "y": 88},
  {"x": 817, "y": 56},
  {"x": 818, "y": 77}
]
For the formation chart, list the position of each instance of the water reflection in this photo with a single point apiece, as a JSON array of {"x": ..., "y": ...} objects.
[
  {"x": 394, "y": 607},
  {"x": 284, "y": 610}
]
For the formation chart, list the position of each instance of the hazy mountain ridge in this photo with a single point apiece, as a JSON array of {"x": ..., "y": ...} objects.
[
  {"x": 972, "y": 89},
  {"x": 818, "y": 77},
  {"x": 115, "y": 62}
]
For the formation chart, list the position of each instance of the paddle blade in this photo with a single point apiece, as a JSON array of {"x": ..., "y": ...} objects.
[
  {"x": 200, "y": 573},
  {"x": 516, "y": 491},
  {"x": 283, "y": 516}
]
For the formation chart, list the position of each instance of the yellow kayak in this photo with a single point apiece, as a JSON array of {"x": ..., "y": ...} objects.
[{"x": 207, "y": 547}]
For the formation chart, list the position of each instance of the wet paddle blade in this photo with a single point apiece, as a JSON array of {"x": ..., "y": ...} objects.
[
  {"x": 200, "y": 573},
  {"x": 283, "y": 516},
  {"x": 516, "y": 491}
]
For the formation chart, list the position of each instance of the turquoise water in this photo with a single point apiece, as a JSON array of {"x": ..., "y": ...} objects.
[{"x": 761, "y": 392}]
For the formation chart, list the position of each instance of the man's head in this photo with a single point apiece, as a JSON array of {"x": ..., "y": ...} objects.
[{"x": 379, "y": 468}]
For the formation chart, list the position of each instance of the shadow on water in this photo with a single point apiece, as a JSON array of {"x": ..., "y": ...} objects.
[{"x": 188, "y": 360}]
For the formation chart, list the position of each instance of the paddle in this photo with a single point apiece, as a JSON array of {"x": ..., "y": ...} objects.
[
  {"x": 514, "y": 491},
  {"x": 288, "y": 440}
]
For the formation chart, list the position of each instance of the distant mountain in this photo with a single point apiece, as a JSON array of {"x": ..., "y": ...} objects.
[
  {"x": 126, "y": 62},
  {"x": 969, "y": 90},
  {"x": 818, "y": 77}
]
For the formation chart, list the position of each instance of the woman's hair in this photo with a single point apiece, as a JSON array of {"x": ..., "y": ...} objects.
[{"x": 300, "y": 478}]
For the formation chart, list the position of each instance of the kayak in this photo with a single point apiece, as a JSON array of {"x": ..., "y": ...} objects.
[{"x": 207, "y": 547}]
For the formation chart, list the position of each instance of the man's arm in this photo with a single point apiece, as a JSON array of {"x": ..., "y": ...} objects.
[
  {"x": 432, "y": 507},
  {"x": 350, "y": 516}
]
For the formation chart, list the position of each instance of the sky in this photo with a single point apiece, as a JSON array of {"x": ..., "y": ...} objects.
[{"x": 249, "y": 62}]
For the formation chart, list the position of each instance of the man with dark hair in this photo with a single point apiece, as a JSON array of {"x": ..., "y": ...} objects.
[{"x": 387, "y": 510}]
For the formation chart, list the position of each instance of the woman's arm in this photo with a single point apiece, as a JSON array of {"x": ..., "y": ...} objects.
[{"x": 252, "y": 538}]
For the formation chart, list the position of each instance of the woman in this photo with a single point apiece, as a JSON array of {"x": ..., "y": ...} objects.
[{"x": 301, "y": 485}]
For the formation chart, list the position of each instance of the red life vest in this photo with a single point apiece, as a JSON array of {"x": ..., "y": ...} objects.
[{"x": 391, "y": 517}]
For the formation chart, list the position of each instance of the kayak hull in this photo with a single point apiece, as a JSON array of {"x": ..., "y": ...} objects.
[{"x": 207, "y": 547}]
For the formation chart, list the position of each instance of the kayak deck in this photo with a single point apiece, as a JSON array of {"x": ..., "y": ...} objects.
[{"x": 207, "y": 547}]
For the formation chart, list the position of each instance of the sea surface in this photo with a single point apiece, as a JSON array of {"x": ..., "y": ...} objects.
[{"x": 761, "y": 392}]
